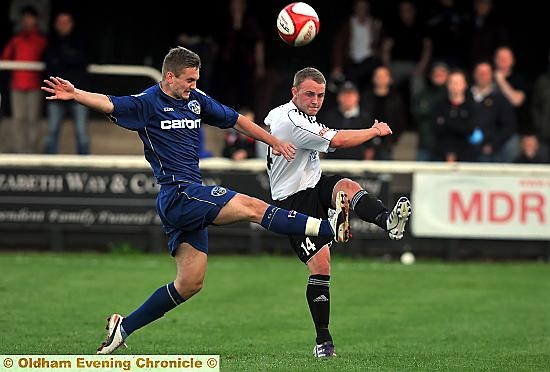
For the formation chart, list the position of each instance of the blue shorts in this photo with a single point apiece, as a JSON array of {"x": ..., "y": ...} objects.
[{"x": 186, "y": 209}]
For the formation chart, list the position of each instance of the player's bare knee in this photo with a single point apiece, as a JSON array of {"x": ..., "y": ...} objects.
[
  {"x": 195, "y": 288},
  {"x": 320, "y": 263},
  {"x": 350, "y": 187},
  {"x": 321, "y": 267},
  {"x": 187, "y": 288},
  {"x": 254, "y": 208}
]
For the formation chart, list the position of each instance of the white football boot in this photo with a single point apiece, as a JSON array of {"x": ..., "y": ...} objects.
[
  {"x": 398, "y": 217},
  {"x": 339, "y": 222},
  {"x": 114, "y": 337},
  {"x": 325, "y": 350}
]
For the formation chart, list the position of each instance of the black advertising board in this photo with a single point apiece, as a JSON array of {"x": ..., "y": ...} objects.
[
  {"x": 77, "y": 197},
  {"x": 118, "y": 197}
]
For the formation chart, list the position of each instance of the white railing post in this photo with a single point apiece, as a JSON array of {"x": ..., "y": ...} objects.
[{"x": 128, "y": 70}]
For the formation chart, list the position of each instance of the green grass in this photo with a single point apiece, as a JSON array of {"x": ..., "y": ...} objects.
[{"x": 252, "y": 312}]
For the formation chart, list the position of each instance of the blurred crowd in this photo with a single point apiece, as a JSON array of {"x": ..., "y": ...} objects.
[{"x": 446, "y": 73}]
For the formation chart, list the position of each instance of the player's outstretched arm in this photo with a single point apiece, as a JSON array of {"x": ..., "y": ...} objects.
[
  {"x": 61, "y": 89},
  {"x": 248, "y": 127},
  {"x": 355, "y": 137}
]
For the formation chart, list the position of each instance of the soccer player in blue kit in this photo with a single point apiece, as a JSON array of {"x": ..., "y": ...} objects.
[{"x": 167, "y": 117}]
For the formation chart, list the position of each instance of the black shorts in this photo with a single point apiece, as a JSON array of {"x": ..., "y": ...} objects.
[{"x": 314, "y": 202}]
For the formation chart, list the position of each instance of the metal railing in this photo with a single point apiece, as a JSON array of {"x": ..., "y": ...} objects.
[{"x": 129, "y": 70}]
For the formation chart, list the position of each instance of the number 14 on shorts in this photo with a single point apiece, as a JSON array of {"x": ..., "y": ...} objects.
[{"x": 309, "y": 247}]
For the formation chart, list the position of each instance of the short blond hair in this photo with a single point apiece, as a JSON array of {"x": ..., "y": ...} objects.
[{"x": 308, "y": 73}]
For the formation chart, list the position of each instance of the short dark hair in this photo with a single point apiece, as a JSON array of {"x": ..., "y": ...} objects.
[
  {"x": 29, "y": 10},
  {"x": 179, "y": 58}
]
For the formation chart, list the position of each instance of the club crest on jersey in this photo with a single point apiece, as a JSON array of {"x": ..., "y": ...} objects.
[
  {"x": 313, "y": 155},
  {"x": 323, "y": 131},
  {"x": 218, "y": 191},
  {"x": 194, "y": 106}
]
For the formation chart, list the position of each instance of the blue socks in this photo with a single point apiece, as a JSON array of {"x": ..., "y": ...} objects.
[
  {"x": 282, "y": 221},
  {"x": 161, "y": 301}
]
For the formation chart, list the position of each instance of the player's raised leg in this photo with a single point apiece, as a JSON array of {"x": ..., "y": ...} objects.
[
  {"x": 246, "y": 208},
  {"x": 371, "y": 209}
]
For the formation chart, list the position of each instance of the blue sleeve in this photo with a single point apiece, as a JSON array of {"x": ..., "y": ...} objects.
[
  {"x": 130, "y": 112},
  {"x": 215, "y": 113}
]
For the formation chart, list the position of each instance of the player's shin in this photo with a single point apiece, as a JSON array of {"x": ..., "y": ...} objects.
[
  {"x": 287, "y": 222},
  {"x": 369, "y": 208},
  {"x": 318, "y": 299},
  {"x": 161, "y": 301}
]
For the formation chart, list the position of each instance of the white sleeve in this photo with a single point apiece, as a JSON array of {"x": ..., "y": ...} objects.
[{"x": 308, "y": 134}]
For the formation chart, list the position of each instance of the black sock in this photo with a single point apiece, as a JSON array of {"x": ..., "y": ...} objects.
[
  {"x": 318, "y": 299},
  {"x": 370, "y": 209}
]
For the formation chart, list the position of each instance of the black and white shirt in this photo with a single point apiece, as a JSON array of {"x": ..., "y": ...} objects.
[{"x": 288, "y": 123}]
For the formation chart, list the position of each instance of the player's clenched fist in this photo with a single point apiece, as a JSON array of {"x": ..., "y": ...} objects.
[{"x": 383, "y": 128}]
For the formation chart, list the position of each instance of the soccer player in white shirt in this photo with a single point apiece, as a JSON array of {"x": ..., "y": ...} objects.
[{"x": 300, "y": 185}]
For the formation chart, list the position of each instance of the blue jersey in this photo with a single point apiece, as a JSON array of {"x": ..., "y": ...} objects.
[{"x": 169, "y": 129}]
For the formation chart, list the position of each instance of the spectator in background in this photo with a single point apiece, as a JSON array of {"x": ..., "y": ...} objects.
[
  {"x": 26, "y": 98},
  {"x": 241, "y": 57},
  {"x": 385, "y": 104},
  {"x": 453, "y": 125},
  {"x": 422, "y": 109},
  {"x": 540, "y": 108},
  {"x": 446, "y": 28},
  {"x": 67, "y": 56},
  {"x": 42, "y": 7},
  {"x": 485, "y": 33},
  {"x": 348, "y": 115},
  {"x": 407, "y": 51},
  {"x": 495, "y": 117},
  {"x": 239, "y": 146},
  {"x": 531, "y": 151},
  {"x": 356, "y": 47},
  {"x": 511, "y": 84}
]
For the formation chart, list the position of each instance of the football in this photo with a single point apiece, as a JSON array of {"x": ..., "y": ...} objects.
[
  {"x": 298, "y": 24},
  {"x": 407, "y": 258}
]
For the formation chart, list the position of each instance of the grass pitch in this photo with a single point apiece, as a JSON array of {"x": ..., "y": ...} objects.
[{"x": 252, "y": 312}]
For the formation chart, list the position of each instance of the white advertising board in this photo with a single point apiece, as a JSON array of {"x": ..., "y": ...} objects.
[{"x": 491, "y": 206}]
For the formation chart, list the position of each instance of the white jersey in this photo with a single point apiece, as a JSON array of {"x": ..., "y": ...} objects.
[{"x": 289, "y": 124}]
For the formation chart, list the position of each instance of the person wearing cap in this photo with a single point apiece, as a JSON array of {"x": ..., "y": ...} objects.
[{"x": 348, "y": 114}]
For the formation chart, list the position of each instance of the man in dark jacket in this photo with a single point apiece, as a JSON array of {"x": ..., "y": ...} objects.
[{"x": 66, "y": 56}]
